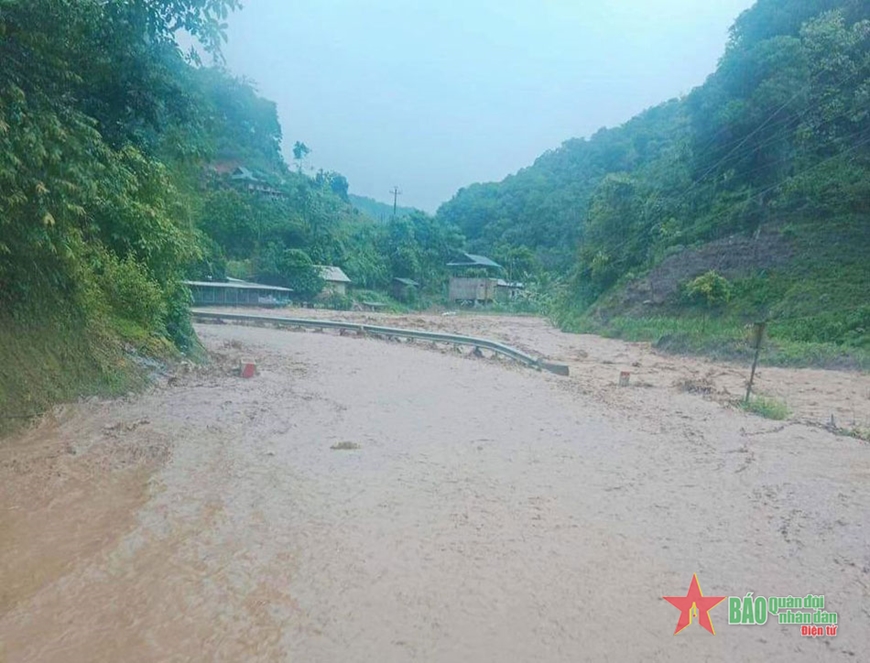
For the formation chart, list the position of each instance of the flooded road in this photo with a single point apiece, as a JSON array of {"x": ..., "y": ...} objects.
[{"x": 361, "y": 500}]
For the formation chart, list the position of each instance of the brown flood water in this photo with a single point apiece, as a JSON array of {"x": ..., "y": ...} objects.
[{"x": 483, "y": 512}]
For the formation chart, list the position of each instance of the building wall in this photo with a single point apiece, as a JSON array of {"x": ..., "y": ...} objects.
[
  {"x": 205, "y": 296},
  {"x": 403, "y": 292},
  {"x": 505, "y": 294},
  {"x": 472, "y": 289},
  {"x": 334, "y": 288}
]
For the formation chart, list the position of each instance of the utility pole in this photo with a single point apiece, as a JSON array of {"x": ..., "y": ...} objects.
[
  {"x": 757, "y": 338},
  {"x": 396, "y": 193}
]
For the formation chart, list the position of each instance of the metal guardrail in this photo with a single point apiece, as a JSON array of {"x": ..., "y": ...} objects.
[{"x": 375, "y": 330}]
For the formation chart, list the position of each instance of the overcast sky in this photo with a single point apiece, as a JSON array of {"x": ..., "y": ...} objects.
[{"x": 433, "y": 96}]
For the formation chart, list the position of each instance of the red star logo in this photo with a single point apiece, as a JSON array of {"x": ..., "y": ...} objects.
[{"x": 694, "y": 604}]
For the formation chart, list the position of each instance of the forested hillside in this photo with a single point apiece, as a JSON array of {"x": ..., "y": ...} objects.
[
  {"x": 128, "y": 165},
  {"x": 758, "y": 182},
  {"x": 378, "y": 210},
  {"x": 98, "y": 130},
  {"x": 120, "y": 163}
]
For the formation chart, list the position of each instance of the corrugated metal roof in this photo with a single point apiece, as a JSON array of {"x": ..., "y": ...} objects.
[
  {"x": 409, "y": 282},
  {"x": 245, "y": 174},
  {"x": 475, "y": 261},
  {"x": 236, "y": 286},
  {"x": 333, "y": 274}
]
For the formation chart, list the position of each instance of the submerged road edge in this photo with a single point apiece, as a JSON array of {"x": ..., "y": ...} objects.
[{"x": 538, "y": 363}]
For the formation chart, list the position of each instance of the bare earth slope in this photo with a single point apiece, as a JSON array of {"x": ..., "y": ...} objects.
[{"x": 472, "y": 510}]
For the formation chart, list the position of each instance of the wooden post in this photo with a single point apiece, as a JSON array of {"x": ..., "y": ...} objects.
[{"x": 757, "y": 337}]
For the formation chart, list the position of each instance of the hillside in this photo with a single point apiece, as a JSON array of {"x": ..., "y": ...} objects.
[
  {"x": 128, "y": 166},
  {"x": 757, "y": 179},
  {"x": 119, "y": 164},
  {"x": 544, "y": 207},
  {"x": 378, "y": 210}
]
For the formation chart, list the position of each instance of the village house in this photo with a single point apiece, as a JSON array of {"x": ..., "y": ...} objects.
[
  {"x": 335, "y": 280},
  {"x": 255, "y": 182},
  {"x": 404, "y": 289},
  {"x": 474, "y": 279},
  {"x": 508, "y": 290}
]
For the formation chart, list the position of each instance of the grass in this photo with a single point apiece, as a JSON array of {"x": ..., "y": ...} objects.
[
  {"x": 817, "y": 305},
  {"x": 769, "y": 408},
  {"x": 390, "y": 305},
  {"x": 53, "y": 356},
  {"x": 859, "y": 433},
  {"x": 724, "y": 339}
]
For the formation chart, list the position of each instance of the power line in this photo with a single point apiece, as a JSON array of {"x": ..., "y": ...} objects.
[
  {"x": 734, "y": 152},
  {"x": 775, "y": 137},
  {"x": 782, "y": 182}
]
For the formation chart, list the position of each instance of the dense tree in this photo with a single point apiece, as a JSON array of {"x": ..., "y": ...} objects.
[
  {"x": 108, "y": 131},
  {"x": 290, "y": 268},
  {"x": 545, "y": 206},
  {"x": 334, "y": 182},
  {"x": 779, "y": 134},
  {"x": 85, "y": 88},
  {"x": 419, "y": 247}
]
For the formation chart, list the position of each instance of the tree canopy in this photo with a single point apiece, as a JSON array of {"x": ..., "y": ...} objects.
[{"x": 779, "y": 133}]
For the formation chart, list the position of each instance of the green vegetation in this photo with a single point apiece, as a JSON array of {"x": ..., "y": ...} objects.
[
  {"x": 127, "y": 166},
  {"x": 378, "y": 210},
  {"x": 709, "y": 289},
  {"x": 859, "y": 433},
  {"x": 719, "y": 338},
  {"x": 96, "y": 133},
  {"x": 769, "y": 408},
  {"x": 745, "y": 200},
  {"x": 54, "y": 356},
  {"x": 816, "y": 304}
]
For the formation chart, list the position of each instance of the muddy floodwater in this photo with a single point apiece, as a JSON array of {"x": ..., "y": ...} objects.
[{"x": 361, "y": 500}]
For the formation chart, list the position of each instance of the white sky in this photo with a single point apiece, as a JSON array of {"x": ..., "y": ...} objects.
[{"x": 433, "y": 96}]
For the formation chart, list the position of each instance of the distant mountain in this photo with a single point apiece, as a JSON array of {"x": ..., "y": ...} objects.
[{"x": 378, "y": 210}]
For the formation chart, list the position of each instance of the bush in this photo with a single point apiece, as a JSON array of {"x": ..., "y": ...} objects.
[
  {"x": 290, "y": 268},
  {"x": 300, "y": 273},
  {"x": 338, "y": 302},
  {"x": 769, "y": 408},
  {"x": 130, "y": 293},
  {"x": 178, "y": 325},
  {"x": 239, "y": 269},
  {"x": 211, "y": 265},
  {"x": 710, "y": 289}
]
